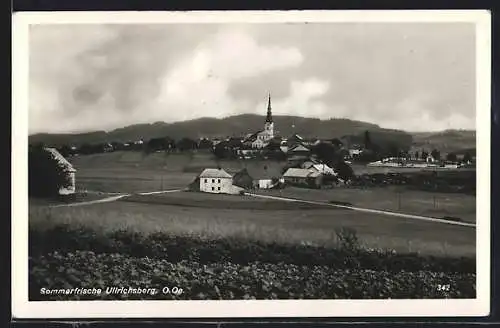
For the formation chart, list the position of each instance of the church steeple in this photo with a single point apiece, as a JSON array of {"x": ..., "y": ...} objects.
[{"x": 269, "y": 118}]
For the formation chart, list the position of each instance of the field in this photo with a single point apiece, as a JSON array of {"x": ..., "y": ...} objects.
[
  {"x": 134, "y": 172},
  {"x": 391, "y": 199},
  {"x": 268, "y": 221}
]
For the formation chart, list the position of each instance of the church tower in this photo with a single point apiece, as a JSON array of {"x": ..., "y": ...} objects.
[{"x": 269, "y": 125}]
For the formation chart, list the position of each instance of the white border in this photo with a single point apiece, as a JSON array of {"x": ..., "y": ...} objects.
[{"x": 22, "y": 308}]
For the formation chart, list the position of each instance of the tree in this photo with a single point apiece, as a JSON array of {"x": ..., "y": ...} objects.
[
  {"x": 367, "y": 140},
  {"x": 186, "y": 144},
  {"x": 424, "y": 154},
  {"x": 327, "y": 153},
  {"x": 65, "y": 150},
  {"x": 220, "y": 150},
  {"x": 436, "y": 154},
  {"x": 337, "y": 143},
  {"x": 205, "y": 144},
  {"x": 467, "y": 157},
  {"x": 344, "y": 171},
  {"x": 45, "y": 175},
  {"x": 452, "y": 157}
]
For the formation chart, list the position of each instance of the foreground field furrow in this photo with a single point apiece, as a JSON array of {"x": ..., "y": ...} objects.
[{"x": 161, "y": 279}]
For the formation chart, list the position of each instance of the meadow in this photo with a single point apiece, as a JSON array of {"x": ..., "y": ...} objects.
[
  {"x": 283, "y": 224},
  {"x": 134, "y": 172}
]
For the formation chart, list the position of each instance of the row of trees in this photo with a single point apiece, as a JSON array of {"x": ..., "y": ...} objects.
[{"x": 152, "y": 145}]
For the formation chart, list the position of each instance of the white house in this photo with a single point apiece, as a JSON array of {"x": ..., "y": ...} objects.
[
  {"x": 216, "y": 181},
  {"x": 300, "y": 176},
  {"x": 68, "y": 169}
]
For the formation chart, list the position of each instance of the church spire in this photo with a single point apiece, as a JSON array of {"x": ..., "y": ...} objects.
[{"x": 269, "y": 117}]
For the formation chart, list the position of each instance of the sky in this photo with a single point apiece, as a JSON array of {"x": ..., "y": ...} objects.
[{"x": 407, "y": 76}]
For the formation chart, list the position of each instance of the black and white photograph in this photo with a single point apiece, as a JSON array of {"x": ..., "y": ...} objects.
[{"x": 310, "y": 164}]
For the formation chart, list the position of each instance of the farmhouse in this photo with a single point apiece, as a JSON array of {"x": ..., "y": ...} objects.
[
  {"x": 298, "y": 152},
  {"x": 303, "y": 177},
  {"x": 216, "y": 181},
  {"x": 69, "y": 170},
  {"x": 262, "y": 177}
]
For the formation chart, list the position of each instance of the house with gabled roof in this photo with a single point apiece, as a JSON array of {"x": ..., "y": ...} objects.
[
  {"x": 258, "y": 176},
  {"x": 215, "y": 181},
  {"x": 303, "y": 177},
  {"x": 68, "y": 169}
]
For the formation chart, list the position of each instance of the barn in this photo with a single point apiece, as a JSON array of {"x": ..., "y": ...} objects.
[
  {"x": 69, "y": 170},
  {"x": 303, "y": 177},
  {"x": 258, "y": 176}
]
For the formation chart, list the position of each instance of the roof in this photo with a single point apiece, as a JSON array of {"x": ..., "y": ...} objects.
[
  {"x": 301, "y": 173},
  {"x": 259, "y": 172},
  {"x": 63, "y": 162},
  {"x": 214, "y": 173},
  {"x": 323, "y": 168},
  {"x": 299, "y": 147},
  {"x": 296, "y": 136},
  {"x": 253, "y": 136}
]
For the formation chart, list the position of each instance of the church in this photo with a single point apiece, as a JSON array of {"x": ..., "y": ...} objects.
[{"x": 261, "y": 138}]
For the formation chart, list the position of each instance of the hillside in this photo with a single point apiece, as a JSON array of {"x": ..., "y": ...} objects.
[
  {"x": 446, "y": 141},
  {"x": 210, "y": 127}
]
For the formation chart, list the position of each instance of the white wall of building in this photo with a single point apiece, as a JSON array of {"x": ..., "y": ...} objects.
[
  {"x": 265, "y": 183},
  {"x": 216, "y": 185},
  {"x": 71, "y": 188}
]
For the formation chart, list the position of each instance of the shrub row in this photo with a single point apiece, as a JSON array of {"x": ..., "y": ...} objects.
[
  {"x": 348, "y": 255},
  {"x": 226, "y": 280}
]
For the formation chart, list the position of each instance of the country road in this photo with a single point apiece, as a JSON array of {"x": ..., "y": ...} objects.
[
  {"x": 368, "y": 210},
  {"x": 113, "y": 198}
]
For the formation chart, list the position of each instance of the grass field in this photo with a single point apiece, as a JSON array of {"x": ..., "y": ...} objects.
[
  {"x": 315, "y": 225},
  {"x": 389, "y": 199},
  {"x": 135, "y": 172}
]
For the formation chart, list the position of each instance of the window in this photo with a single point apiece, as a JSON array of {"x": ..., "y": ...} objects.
[
  {"x": 213, "y": 180},
  {"x": 206, "y": 180},
  {"x": 218, "y": 188},
  {"x": 218, "y": 180},
  {"x": 213, "y": 188}
]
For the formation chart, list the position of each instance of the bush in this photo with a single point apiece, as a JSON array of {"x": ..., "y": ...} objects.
[
  {"x": 65, "y": 257},
  {"x": 227, "y": 280},
  {"x": 45, "y": 175}
]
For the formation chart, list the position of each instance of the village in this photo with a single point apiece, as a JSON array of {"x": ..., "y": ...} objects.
[{"x": 309, "y": 162}]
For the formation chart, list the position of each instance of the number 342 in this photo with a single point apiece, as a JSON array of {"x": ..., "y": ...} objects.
[{"x": 443, "y": 288}]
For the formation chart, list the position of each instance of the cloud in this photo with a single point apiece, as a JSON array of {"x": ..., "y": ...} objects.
[
  {"x": 409, "y": 76},
  {"x": 199, "y": 83}
]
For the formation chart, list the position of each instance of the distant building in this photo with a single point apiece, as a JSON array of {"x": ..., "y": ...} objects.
[
  {"x": 68, "y": 169},
  {"x": 303, "y": 177},
  {"x": 261, "y": 138},
  {"x": 262, "y": 177}
]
